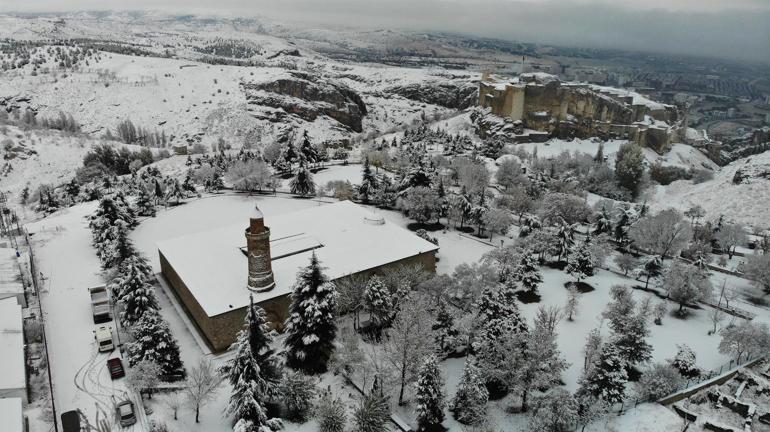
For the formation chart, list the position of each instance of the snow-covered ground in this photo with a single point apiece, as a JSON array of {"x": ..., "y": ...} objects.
[
  {"x": 69, "y": 265},
  {"x": 746, "y": 202}
]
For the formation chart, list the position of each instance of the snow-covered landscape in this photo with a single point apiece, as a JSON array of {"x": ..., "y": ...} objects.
[{"x": 244, "y": 224}]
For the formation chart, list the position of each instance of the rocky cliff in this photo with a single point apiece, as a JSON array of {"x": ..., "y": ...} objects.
[
  {"x": 309, "y": 96},
  {"x": 447, "y": 94}
]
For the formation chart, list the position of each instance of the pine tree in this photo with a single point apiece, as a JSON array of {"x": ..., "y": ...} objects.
[
  {"x": 580, "y": 262},
  {"x": 499, "y": 304},
  {"x": 429, "y": 396},
  {"x": 131, "y": 288},
  {"x": 311, "y": 326},
  {"x": 444, "y": 329},
  {"x": 302, "y": 184},
  {"x": 527, "y": 272},
  {"x": 144, "y": 203},
  {"x": 153, "y": 341},
  {"x": 306, "y": 149},
  {"x": 469, "y": 404},
  {"x": 368, "y": 182},
  {"x": 606, "y": 380},
  {"x": 253, "y": 385},
  {"x": 378, "y": 301}
]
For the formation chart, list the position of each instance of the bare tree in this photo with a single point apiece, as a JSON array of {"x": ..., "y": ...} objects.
[
  {"x": 626, "y": 262},
  {"x": 143, "y": 377},
  {"x": 410, "y": 339},
  {"x": 730, "y": 236},
  {"x": 201, "y": 385},
  {"x": 716, "y": 316},
  {"x": 173, "y": 401},
  {"x": 664, "y": 233}
]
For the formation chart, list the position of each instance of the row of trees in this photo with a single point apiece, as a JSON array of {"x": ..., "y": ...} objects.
[{"x": 131, "y": 287}]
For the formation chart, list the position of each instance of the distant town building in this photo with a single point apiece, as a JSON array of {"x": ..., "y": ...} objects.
[{"x": 215, "y": 272}]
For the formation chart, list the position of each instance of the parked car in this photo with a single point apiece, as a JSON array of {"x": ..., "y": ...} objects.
[
  {"x": 71, "y": 422},
  {"x": 115, "y": 366},
  {"x": 100, "y": 304},
  {"x": 103, "y": 336},
  {"x": 126, "y": 413}
]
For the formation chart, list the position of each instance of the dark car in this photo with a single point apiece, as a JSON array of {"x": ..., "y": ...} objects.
[
  {"x": 126, "y": 413},
  {"x": 70, "y": 421},
  {"x": 115, "y": 367}
]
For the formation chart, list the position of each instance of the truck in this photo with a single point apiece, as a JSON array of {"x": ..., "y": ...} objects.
[
  {"x": 103, "y": 336},
  {"x": 100, "y": 304}
]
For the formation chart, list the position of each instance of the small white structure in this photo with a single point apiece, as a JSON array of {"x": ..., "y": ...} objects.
[
  {"x": 11, "y": 415},
  {"x": 13, "y": 377},
  {"x": 10, "y": 277}
]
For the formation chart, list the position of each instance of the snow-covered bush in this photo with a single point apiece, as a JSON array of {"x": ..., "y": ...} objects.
[
  {"x": 297, "y": 394},
  {"x": 659, "y": 380},
  {"x": 684, "y": 361},
  {"x": 330, "y": 413}
]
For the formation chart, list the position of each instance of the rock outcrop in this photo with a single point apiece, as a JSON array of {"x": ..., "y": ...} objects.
[
  {"x": 447, "y": 94},
  {"x": 309, "y": 96}
]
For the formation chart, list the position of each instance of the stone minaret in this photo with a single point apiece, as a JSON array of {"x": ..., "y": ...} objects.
[{"x": 258, "y": 248}]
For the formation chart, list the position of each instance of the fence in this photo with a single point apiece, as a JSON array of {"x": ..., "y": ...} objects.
[{"x": 36, "y": 284}]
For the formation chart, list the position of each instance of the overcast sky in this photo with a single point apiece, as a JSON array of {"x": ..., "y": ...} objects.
[{"x": 738, "y": 29}]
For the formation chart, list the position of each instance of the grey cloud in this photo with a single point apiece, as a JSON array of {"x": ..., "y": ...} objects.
[{"x": 735, "y": 29}]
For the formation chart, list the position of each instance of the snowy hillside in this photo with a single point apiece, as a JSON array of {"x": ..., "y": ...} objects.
[{"x": 746, "y": 202}]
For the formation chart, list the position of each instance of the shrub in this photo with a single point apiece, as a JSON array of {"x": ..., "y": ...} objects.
[
  {"x": 665, "y": 175},
  {"x": 702, "y": 175}
]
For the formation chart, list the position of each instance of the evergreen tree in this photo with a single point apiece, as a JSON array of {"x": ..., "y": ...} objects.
[
  {"x": 599, "y": 157},
  {"x": 444, "y": 329},
  {"x": 469, "y": 404},
  {"x": 252, "y": 386},
  {"x": 131, "y": 288},
  {"x": 302, "y": 184},
  {"x": 564, "y": 241},
  {"x": 25, "y": 194},
  {"x": 499, "y": 304},
  {"x": 606, "y": 380},
  {"x": 144, "y": 203},
  {"x": 306, "y": 149},
  {"x": 429, "y": 396},
  {"x": 311, "y": 326},
  {"x": 368, "y": 182},
  {"x": 580, "y": 262},
  {"x": 527, "y": 272},
  {"x": 629, "y": 167},
  {"x": 378, "y": 301},
  {"x": 153, "y": 341},
  {"x": 72, "y": 188}
]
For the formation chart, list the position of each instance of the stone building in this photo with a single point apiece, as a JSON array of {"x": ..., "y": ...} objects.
[
  {"x": 543, "y": 103},
  {"x": 213, "y": 273}
]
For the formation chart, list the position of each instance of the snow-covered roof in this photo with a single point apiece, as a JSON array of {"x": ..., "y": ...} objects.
[
  {"x": 214, "y": 268},
  {"x": 637, "y": 98},
  {"x": 10, "y": 413},
  {"x": 9, "y": 273},
  {"x": 12, "y": 374}
]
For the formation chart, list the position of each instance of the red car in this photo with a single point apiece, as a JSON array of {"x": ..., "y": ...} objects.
[{"x": 115, "y": 367}]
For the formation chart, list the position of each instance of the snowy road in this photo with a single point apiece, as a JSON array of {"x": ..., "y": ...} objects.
[{"x": 69, "y": 266}]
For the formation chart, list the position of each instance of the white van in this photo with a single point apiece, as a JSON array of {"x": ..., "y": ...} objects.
[{"x": 103, "y": 336}]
